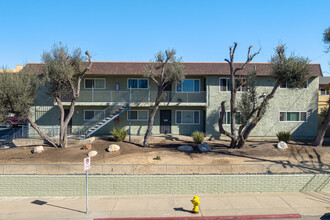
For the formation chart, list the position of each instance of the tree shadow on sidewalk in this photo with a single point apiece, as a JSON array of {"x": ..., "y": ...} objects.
[{"x": 39, "y": 202}]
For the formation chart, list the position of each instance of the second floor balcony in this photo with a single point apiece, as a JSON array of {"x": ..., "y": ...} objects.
[{"x": 138, "y": 98}]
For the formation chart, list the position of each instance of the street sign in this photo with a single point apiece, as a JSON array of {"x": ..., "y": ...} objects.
[{"x": 87, "y": 163}]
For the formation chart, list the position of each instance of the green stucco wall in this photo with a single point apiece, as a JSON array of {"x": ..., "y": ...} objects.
[
  {"x": 140, "y": 127},
  {"x": 74, "y": 185},
  {"x": 46, "y": 113},
  {"x": 269, "y": 125}
]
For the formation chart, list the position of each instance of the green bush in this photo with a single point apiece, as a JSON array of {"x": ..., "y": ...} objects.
[
  {"x": 198, "y": 137},
  {"x": 284, "y": 136},
  {"x": 119, "y": 134}
]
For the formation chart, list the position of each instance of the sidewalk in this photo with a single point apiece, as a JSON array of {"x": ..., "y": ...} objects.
[{"x": 311, "y": 205}]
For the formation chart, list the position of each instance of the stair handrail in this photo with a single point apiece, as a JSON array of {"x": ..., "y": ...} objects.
[{"x": 121, "y": 101}]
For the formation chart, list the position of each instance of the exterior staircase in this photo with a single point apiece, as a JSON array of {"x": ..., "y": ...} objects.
[{"x": 101, "y": 119}]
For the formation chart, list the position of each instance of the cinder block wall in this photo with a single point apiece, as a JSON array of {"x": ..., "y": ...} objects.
[{"x": 110, "y": 185}]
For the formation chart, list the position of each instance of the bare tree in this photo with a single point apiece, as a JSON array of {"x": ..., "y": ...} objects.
[
  {"x": 233, "y": 79},
  {"x": 326, "y": 121},
  {"x": 164, "y": 71},
  {"x": 63, "y": 71},
  {"x": 292, "y": 70}
]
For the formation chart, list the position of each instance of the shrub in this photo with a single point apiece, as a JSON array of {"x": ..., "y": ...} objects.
[
  {"x": 284, "y": 136},
  {"x": 119, "y": 134},
  {"x": 198, "y": 137},
  {"x": 157, "y": 158}
]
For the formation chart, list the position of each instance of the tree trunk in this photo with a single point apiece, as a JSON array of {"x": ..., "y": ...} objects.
[
  {"x": 232, "y": 107},
  {"x": 150, "y": 125},
  {"x": 321, "y": 132},
  {"x": 42, "y": 135},
  {"x": 220, "y": 122},
  {"x": 152, "y": 117}
]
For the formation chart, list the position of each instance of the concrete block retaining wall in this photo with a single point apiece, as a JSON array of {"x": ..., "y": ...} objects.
[{"x": 110, "y": 185}]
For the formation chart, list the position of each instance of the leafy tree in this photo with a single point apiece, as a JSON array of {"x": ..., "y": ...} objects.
[
  {"x": 63, "y": 71},
  {"x": 326, "y": 121},
  {"x": 326, "y": 38},
  {"x": 17, "y": 95},
  {"x": 292, "y": 70},
  {"x": 165, "y": 70}
]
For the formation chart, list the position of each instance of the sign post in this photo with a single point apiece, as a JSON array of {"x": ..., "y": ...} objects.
[{"x": 87, "y": 166}]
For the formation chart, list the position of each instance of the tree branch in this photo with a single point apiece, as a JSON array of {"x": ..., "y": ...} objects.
[
  {"x": 89, "y": 64},
  {"x": 248, "y": 60}
]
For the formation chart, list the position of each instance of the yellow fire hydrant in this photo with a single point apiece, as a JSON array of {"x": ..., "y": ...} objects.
[{"x": 195, "y": 201}]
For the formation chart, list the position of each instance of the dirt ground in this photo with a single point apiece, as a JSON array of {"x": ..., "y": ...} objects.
[{"x": 255, "y": 151}]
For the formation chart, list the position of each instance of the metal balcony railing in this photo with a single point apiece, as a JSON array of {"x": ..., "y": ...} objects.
[{"x": 137, "y": 95}]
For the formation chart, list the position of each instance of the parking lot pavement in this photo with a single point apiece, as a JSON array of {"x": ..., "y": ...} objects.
[{"x": 224, "y": 206}]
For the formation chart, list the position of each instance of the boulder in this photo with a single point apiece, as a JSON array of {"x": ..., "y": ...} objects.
[
  {"x": 91, "y": 139},
  {"x": 204, "y": 147},
  {"x": 92, "y": 153},
  {"x": 185, "y": 148},
  {"x": 282, "y": 145},
  {"x": 38, "y": 150},
  {"x": 113, "y": 148},
  {"x": 87, "y": 147}
]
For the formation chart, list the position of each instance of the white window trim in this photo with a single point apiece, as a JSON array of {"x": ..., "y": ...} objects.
[
  {"x": 227, "y": 91},
  {"x": 226, "y": 115},
  {"x": 286, "y": 86},
  {"x": 228, "y": 81},
  {"x": 279, "y": 116},
  {"x": 137, "y": 83},
  {"x": 199, "y": 83},
  {"x": 325, "y": 90},
  {"x": 199, "y": 117},
  {"x": 105, "y": 82},
  {"x": 138, "y": 115},
  {"x": 90, "y": 111}
]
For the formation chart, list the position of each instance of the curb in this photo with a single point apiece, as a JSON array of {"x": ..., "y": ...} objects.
[{"x": 234, "y": 217}]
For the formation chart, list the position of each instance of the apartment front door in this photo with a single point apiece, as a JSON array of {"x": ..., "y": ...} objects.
[
  {"x": 66, "y": 112},
  {"x": 165, "y": 121}
]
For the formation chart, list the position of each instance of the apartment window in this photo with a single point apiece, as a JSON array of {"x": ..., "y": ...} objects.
[
  {"x": 227, "y": 118},
  {"x": 90, "y": 114},
  {"x": 285, "y": 85},
  {"x": 138, "y": 115},
  {"x": 95, "y": 83},
  {"x": 188, "y": 85},
  {"x": 138, "y": 84},
  {"x": 324, "y": 92},
  {"x": 187, "y": 117},
  {"x": 225, "y": 85},
  {"x": 293, "y": 116}
]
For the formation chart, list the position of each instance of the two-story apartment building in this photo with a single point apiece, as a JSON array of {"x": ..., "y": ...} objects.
[
  {"x": 324, "y": 86},
  {"x": 193, "y": 104}
]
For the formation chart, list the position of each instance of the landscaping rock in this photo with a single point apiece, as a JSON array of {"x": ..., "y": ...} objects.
[
  {"x": 91, "y": 139},
  {"x": 185, "y": 148},
  {"x": 204, "y": 147},
  {"x": 282, "y": 145},
  {"x": 113, "y": 148},
  {"x": 38, "y": 150},
  {"x": 92, "y": 153},
  {"x": 87, "y": 147}
]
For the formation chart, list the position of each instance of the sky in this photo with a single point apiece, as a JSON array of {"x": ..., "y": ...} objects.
[{"x": 135, "y": 30}]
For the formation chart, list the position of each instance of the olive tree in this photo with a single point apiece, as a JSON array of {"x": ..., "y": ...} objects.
[
  {"x": 166, "y": 69},
  {"x": 292, "y": 70},
  {"x": 63, "y": 71},
  {"x": 326, "y": 121},
  {"x": 17, "y": 96}
]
